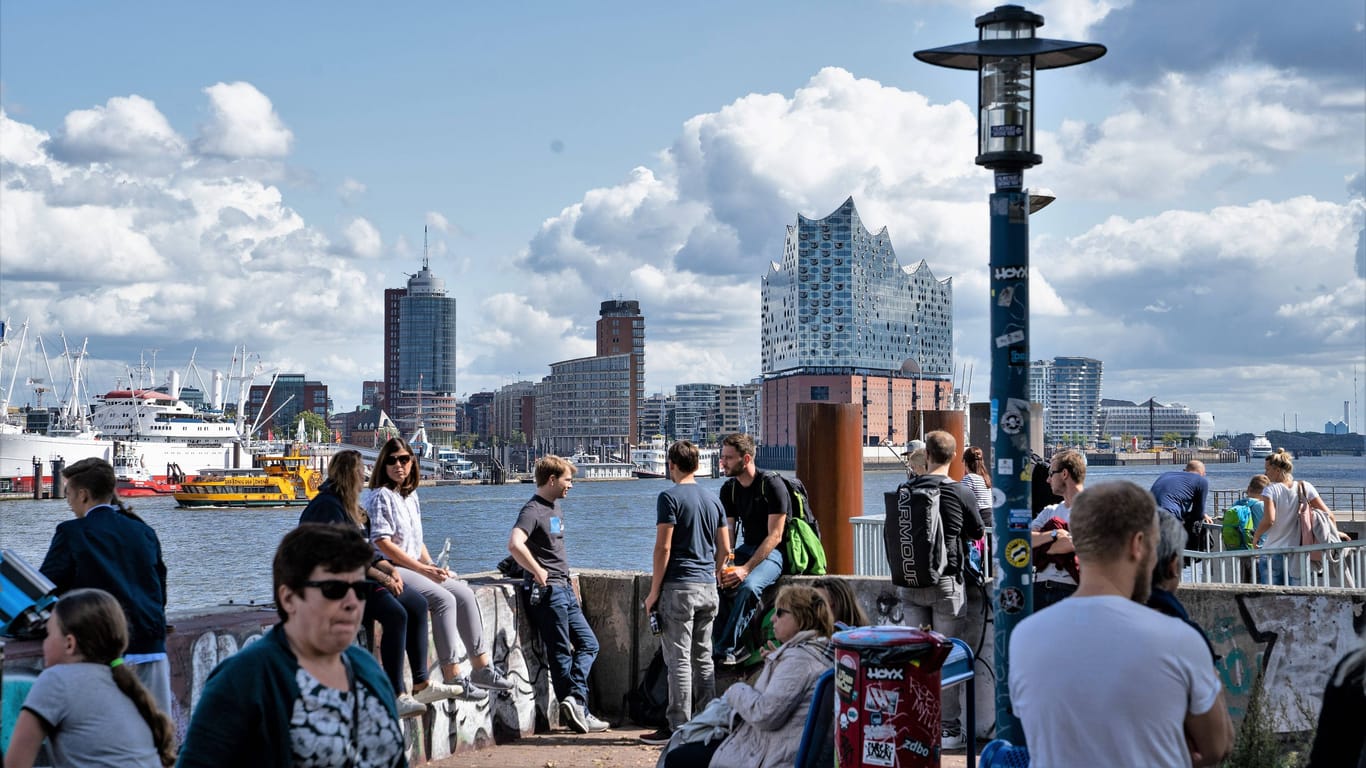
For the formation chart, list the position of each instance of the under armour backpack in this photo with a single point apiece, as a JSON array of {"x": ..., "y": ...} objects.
[{"x": 913, "y": 533}]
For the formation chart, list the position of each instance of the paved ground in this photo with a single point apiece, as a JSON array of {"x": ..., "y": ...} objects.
[{"x": 617, "y": 748}]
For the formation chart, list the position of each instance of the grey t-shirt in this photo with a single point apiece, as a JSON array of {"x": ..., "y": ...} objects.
[
  {"x": 696, "y": 514},
  {"x": 88, "y": 720}
]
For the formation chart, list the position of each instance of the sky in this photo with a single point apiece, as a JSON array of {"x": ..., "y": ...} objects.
[{"x": 191, "y": 177}]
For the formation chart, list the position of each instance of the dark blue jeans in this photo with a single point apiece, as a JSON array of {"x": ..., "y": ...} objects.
[
  {"x": 570, "y": 645},
  {"x": 744, "y": 599},
  {"x": 404, "y": 620}
]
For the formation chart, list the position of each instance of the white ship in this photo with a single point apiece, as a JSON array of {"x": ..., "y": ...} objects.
[
  {"x": 1259, "y": 448},
  {"x": 157, "y": 431},
  {"x": 651, "y": 460}
]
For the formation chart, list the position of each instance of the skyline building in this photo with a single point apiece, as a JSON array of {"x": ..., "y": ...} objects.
[
  {"x": 419, "y": 355},
  {"x": 621, "y": 330},
  {"x": 1120, "y": 418},
  {"x": 278, "y": 405},
  {"x": 1069, "y": 389},
  {"x": 843, "y": 322},
  {"x": 585, "y": 407}
]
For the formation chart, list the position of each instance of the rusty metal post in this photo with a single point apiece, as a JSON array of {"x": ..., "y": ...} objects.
[
  {"x": 955, "y": 423},
  {"x": 830, "y": 463}
]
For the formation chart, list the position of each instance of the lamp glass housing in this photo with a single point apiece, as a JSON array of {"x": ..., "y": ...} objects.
[{"x": 1005, "y": 119}]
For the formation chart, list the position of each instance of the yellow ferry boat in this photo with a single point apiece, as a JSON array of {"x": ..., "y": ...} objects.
[{"x": 281, "y": 481}]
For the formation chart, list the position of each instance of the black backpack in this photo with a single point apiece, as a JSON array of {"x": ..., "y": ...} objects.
[
  {"x": 648, "y": 703},
  {"x": 913, "y": 533}
]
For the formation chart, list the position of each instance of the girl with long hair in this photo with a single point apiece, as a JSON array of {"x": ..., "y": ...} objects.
[
  {"x": 978, "y": 479},
  {"x": 401, "y": 613},
  {"x": 87, "y": 702},
  {"x": 396, "y": 530},
  {"x": 1280, "y": 522}
]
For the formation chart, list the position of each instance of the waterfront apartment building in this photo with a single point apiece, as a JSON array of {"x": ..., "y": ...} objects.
[
  {"x": 697, "y": 412},
  {"x": 1069, "y": 389},
  {"x": 1121, "y": 418},
  {"x": 277, "y": 406},
  {"x": 585, "y": 406},
  {"x": 514, "y": 411},
  {"x": 738, "y": 409},
  {"x": 419, "y": 356},
  {"x": 657, "y": 416},
  {"x": 621, "y": 331},
  {"x": 843, "y": 322}
]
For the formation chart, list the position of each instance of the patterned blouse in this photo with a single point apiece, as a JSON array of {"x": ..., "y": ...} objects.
[{"x": 324, "y": 731}]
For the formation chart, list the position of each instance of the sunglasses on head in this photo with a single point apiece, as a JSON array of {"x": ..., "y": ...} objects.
[
  {"x": 398, "y": 458},
  {"x": 335, "y": 589}
]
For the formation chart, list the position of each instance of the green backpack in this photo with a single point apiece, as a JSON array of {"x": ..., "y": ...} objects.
[
  {"x": 1239, "y": 526},
  {"x": 801, "y": 545}
]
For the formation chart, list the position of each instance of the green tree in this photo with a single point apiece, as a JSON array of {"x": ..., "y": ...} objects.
[
  {"x": 1171, "y": 438},
  {"x": 314, "y": 426}
]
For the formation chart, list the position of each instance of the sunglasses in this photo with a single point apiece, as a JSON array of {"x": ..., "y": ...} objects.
[
  {"x": 781, "y": 612},
  {"x": 335, "y": 589},
  {"x": 1053, "y": 472},
  {"x": 400, "y": 458}
]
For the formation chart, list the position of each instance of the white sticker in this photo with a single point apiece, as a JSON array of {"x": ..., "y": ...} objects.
[{"x": 1004, "y": 467}]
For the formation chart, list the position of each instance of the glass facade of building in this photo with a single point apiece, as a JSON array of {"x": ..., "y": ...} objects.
[
  {"x": 1118, "y": 421},
  {"x": 840, "y": 300}
]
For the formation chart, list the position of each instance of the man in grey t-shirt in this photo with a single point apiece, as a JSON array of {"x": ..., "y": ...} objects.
[{"x": 691, "y": 542}]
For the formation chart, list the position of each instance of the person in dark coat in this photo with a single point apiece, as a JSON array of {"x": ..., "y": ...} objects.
[
  {"x": 401, "y": 613},
  {"x": 108, "y": 547}
]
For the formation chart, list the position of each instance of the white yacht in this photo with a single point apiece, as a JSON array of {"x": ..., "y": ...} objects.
[{"x": 1259, "y": 448}]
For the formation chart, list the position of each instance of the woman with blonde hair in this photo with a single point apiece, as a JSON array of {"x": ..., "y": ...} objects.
[
  {"x": 1280, "y": 523},
  {"x": 87, "y": 702},
  {"x": 396, "y": 530},
  {"x": 401, "y": 613}
]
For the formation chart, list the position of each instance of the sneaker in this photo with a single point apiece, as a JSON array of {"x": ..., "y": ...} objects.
[
  {"x": 489, "y": 678},
  {"x": 571, "y": 715},
  {"x": 435, "y": 692},
  {"x": 594, "y": 724},
  {"x": 658, "y": 738},
  {"x": 949, "y": 740},
  {"x": 471, "y": 691},
  {"x": 729, "y": 660},
  {"x": 409, "y": 706}
]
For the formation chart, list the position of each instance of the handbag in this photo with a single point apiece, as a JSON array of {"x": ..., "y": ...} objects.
[{"x": 1316, "y": 527}]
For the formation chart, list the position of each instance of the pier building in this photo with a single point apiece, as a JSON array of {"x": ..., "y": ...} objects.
[
  {"x": 843, "y": 321},
  {"x": 1121, "y": 417}
]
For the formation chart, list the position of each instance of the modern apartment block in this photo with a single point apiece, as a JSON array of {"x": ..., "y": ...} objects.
[
  {"x": 657, "y": 417},
  {"x": 419, "y": 355},
  {"x": 1122, "y": 418},
  {"x": 738, "y": 409},
  {"x": 621, "y": 331},
  {"x": 696, "y": 412},
  {"x": 278, "y": 405},
  {"x": 1069, "y": 389},
  {"x": 514, "y": 411},
  {"x": 844, "y": 322},
  {"x": 586, "y": 406}
]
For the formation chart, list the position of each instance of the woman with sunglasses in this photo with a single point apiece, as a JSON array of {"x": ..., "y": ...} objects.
[
  {"x": 401, "y": 613},
  {"x": 771, "y": 714},
  {"x": 303, "y": 694},
  {"x": 396, "y": 530}
]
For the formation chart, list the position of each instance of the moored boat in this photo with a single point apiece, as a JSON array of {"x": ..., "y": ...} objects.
[
  {"x": 590, "y": 466},
  {"x": 651, "y": 459},
  {"x": 281, "y": 481}
]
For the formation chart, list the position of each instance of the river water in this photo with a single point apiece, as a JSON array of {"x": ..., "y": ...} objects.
[{"x": 214, "y": 556}]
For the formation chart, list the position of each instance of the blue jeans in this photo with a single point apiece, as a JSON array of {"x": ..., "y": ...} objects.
[
  {"x": 570, "y": 645},
  {"x": 744, "y": 599},
  {"x": 1271, "y": 570}
]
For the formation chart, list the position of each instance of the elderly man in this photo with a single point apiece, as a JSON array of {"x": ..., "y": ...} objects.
[{"x": 1102, "y": 658}]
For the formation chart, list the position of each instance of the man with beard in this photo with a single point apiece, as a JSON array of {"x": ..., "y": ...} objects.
[
  {"x": 1101, "y": 677},
  {"x": 756, "y": 501}
]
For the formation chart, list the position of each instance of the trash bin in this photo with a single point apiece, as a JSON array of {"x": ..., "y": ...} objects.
[{"x": 887, "y": 696}]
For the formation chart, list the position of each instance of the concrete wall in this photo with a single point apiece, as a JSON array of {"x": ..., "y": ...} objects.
[{"x": 1293, "y": 636}]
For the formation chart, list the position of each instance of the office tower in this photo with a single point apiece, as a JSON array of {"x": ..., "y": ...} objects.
[
  {"x": 419, "y": 355},
  {"x": 621, "y": 331}
]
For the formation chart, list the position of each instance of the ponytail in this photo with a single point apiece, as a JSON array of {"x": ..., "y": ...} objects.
[{"x": 163, "y": 731}]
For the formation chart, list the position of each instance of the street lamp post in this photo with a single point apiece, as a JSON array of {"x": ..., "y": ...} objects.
[{"x": 1005, "y": 56}]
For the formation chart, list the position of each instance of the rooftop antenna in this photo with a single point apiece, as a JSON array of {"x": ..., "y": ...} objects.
[{"x": 424, "y": 246}]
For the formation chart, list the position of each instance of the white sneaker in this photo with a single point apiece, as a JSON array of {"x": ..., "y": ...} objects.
[
  {"x": 952, "y": 741},
  {"x": 435, "y": 692},
  {"x": 594, "y": 724},
  {"x": 409, "y": 706},
  {"x": 571, "y": 715}
]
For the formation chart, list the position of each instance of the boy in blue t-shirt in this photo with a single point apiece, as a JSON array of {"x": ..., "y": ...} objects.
[{"x": 1253, "y": 500}]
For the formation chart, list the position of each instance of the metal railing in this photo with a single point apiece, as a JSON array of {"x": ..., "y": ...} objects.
[
  {"x": 870, "y": 551},
  {"x": 1341, "y": 565},
  {"x": 1340, "y": 498}
]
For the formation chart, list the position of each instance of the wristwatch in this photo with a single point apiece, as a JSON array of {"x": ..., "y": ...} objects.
[{"x": 1055, "y": 534}]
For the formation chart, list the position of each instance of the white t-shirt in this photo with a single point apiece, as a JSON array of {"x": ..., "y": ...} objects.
[
  {"x": 1107, "y": 681},
  {"x": 1285, "y": 532},
  {"x": 1063, "y": 512},
  {"x": 394, "y": 517}
]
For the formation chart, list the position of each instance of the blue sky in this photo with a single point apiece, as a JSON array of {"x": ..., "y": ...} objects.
[{"x": 190, "y": 176}]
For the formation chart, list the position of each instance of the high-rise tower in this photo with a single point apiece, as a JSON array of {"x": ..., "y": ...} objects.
[
  {"x": 621, "y": 331},
  {"x": 419, "y": 353}
]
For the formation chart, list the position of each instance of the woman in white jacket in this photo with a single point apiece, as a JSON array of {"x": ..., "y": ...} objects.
[{"x": 768, "y": 717}]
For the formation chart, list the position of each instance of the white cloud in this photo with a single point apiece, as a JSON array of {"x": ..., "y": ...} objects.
[
  {"x": 363, "y": 238},
  {"x": 127, "y": 130},
  {"x": 438, "y": 222},
  {"x": 349, "y": 190},
  {"x": 242, "y": 124}
]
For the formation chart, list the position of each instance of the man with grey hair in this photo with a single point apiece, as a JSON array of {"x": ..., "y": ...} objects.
[
  {"x": 1171, "y": 540},
  {"x": 1102, "y": 658}
]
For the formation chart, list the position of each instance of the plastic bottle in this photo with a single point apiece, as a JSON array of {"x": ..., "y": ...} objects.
[{"x": 729, "y": 567}]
